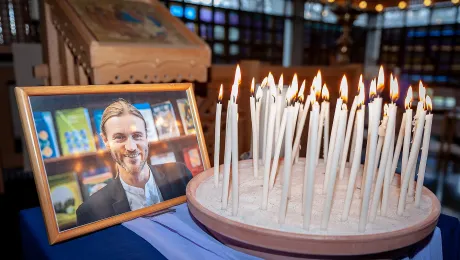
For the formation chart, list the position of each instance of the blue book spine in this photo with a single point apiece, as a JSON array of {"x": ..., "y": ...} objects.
[
  {"x": 46, "y": 134},
  {"x": 97, "y": 114}
]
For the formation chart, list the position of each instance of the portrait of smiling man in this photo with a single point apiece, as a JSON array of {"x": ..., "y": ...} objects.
[{"x": 136, "y": 184}]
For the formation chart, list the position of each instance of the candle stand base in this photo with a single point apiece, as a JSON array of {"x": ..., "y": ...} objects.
[{"x": 257, "y": 232}]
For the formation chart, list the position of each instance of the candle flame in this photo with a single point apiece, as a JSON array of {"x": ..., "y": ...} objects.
[
  {"x": 421, "y": 92},
  {"x": 380, "y": 80},
  {"x": 394, "y": 90},
  {"x": 319, "y": 78},
  {"x": 408, "y": 100},
  {"x": 344, "y": 89},
  {"x": 236, "y": 83},
  {"x": 271, "y": 85},
  {"x": 360, "y": 83},
  {"x": 221, "y": 93},
  {"x": 313, "y": 99},
  {"x": 295, "y": 82},
  {"x": 259, "y": 94},
  {"x": 317, "y": 92},
  {"x": 301, "y": 98},
  {"x": 237, "y": 76},
  {"x": 252, "y": 87},
  {"x": 373, "y": 89},
  {"x": 428, "y": 103},
  {"x": 302, "y": 88},
  {"x": 385, "y": 110},
  {"x": 361, "y": 96},
  {"x": 280, "y": 84},
  {"x": 264, "y": 82},
  {"x": 325, "y": 93}
]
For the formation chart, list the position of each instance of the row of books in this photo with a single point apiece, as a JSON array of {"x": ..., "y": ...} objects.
[
  {"x": 69, "y": 189},
  {"x": 74, "y": 127}
]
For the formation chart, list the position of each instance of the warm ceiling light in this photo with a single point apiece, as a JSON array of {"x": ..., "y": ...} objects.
[
  {"x": 427, "y": 2},
  {"x": 455, "y": 1},
  {"x": 362, "y": 4},
  {"x": 331, "y": 1},
  {"x": 379, "y": 7},
  {"x": 403, "y": 4}
]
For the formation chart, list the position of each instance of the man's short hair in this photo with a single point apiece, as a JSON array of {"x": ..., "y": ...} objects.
[{"x": 118, "y": 108}]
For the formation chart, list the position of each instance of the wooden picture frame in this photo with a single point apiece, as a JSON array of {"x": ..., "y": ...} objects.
[{"x": 38, "y": 99}]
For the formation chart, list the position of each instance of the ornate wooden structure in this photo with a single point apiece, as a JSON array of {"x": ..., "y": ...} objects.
[{"x": 103, "y": 42}]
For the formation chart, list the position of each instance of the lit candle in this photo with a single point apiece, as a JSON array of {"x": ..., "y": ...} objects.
[
  {"x": 309, "y": 175},
  {"x": 255, "y": 152},
  {"x": 389, "y": 131},
  {"x": 356, "y": 163},
  {"x": 279, "y": 141},
  {"x": 411, "y": 162},
  {"x": 369, "y": 177},
  {"x": 266, "y": 109},
  {"x": 235, "y": 177},
  {"x": 228, "y": 138},
  {"x": 397, "y": 151},
  {"x": 426, "y": 144},
  {"x": 299, "y": 127},
  {"x": 323, "y": 124},
  {"x": 407, "y": 131},
  {"x": 217, "y": 137},
  {"x": 422, "y": 93},
  {"x": 287, "y": 159},
  {"x": 382, "y": 129},
  {"x": 335, "y": 160},
  {"x": 387, "y": 180},
  {"x": 333, "y": 135},
  {"x": 259, "y": 94},
  {"x": 269, "y": 140},
  {"x": 372, "y": 94},
  {"x": 349, "y": 129},
  {"x": 279, "y": 100}
]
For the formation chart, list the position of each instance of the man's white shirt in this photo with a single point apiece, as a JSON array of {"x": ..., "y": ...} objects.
[{"x": 139, "y": 198}]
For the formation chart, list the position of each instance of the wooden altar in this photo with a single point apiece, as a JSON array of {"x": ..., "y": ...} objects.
[{"x": 116, "y": 41}]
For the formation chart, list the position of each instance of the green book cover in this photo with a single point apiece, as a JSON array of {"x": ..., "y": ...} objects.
[
  {"x": 75, "y": 132},
  {"x": 66, "y": 197}
]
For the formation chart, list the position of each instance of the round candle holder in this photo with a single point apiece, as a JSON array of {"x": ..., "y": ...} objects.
[{"x": 269, "y": 243}]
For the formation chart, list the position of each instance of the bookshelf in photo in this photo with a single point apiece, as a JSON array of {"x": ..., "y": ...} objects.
[{"x": 77, "y": 163}]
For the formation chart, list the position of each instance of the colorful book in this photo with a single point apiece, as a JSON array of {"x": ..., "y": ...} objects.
[
  {"x": 165, "y": 120},
  {"x": 97, "y": 118},
  {"x": 162, "y": 158},
  {"x": 146, "y": 112},
  {"x": 75, "y": 132},
  {"x": 186, "y": 116},
  {"x": 46, "y": 134},
  {"x": 192, "y": 159},
  {"x": 66, "y": 198}
]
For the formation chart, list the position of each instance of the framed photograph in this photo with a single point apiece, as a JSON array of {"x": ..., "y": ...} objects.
[{"x": 102, "y": 155}]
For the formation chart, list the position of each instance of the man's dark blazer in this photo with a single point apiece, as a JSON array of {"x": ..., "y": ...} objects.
[{"x": 171, "y": 179}]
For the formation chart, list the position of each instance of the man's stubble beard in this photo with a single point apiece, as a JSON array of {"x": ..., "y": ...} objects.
[{"x": 124, "y": 166}]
